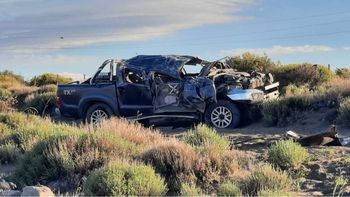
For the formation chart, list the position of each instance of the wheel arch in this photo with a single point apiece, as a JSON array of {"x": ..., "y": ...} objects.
[{"x": 86, "y": 103}]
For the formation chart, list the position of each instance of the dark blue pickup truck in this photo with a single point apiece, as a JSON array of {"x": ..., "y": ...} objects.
[{"x": 166, "y": 88}]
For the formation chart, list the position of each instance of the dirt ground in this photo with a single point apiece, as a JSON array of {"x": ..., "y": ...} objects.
[{"x": 326, "y": 165}]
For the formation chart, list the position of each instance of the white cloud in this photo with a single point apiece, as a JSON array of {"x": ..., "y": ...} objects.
[
  {"x": 280, "y": 50},
  {"x": 44, "y": 60},
  {"x": 37, "y": 24},
  {"x": 346, "y": 48}
]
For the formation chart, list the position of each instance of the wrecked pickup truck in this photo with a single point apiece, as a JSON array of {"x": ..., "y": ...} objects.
[{"x": 158, "y": 88}]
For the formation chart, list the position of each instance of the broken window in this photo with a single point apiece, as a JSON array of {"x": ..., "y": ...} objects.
[{"x": 132, "y": 76}]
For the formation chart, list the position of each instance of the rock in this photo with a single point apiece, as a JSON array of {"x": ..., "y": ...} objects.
[
  {"x": 12, "y": 193},
  {"x": 4, "y": 186},
  {"x": 37, "y": 191},
  {"x": 60, "y": 186},
  {"x": 317, "y": 194}
]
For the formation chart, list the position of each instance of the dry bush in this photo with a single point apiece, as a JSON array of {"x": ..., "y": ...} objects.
[
  {"x": 339, "y": 86},
  {"x": 131, "y": 131},
  {"x": 237, "y": 165},
  {"x": 214, "y": 167},
  {"x": 48, "y": 88},
  {"x": 268, "y": 193},
  {"x": 174, "y": 160},
  {"x": 6, "y": 107},
  {"x": 23, "y": 90}
]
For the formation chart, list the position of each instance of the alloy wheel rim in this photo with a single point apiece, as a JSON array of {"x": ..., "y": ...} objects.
[
  {"x": 221, "y": 117},
  {"x": 98, "y": 116}
]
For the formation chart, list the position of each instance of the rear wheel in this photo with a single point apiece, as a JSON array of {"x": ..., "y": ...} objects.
[
  {"x": 98, "y": 113},
  {"x": 223, "y": 115}
]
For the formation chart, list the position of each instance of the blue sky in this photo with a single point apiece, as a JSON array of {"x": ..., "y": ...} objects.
[{"x": 75, "y": 37}]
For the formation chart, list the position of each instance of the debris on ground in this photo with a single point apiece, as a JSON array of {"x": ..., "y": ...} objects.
[{"x": 329, "y": 138}]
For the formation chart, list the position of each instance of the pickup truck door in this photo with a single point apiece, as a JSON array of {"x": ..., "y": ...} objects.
[{"x": 134, "y": 93}]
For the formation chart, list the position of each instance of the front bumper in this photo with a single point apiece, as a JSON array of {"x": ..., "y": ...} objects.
[
  {"x": 271, "y": 91},
  {"x": 254, "y": 95}
]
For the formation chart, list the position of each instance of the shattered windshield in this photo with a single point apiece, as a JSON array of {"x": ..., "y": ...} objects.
[{"x": 192, "y": 69}]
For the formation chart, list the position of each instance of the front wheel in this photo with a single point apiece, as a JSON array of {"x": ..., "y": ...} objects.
[
  {"x": 98, "y": 113},
  {"x": 223, "y": 115}
]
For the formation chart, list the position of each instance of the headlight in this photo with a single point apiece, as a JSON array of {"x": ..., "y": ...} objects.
[{"x": 257, "y": 96}]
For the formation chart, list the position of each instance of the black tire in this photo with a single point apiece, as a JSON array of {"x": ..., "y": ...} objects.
[
  {"x": 228, "y": 108},
  {"x": 94, "y": 109}
]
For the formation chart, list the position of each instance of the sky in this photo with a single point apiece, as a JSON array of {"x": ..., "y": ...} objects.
[{"x": 74, "y": 37}]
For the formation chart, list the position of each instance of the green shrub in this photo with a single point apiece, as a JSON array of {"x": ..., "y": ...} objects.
[
  {"x": 8, "y": 153},
  {"x": 5, "y": 132},
  {"x": 122, "y": 179},
  {"x": 188, "y": 189},
  {"x": 285, "y": 109},
  {"x": 343, "y": 73},
  {"x": 265, "y": 177},
  {"x": 174, "y": 161},
  {"x": 49, "y": 78},
  {"x": 300, "y": 74},
  {"x": 62, "y": 157},
  {"x": 287, "y": 154},
  {"x": 344, "y": 111},
  {"x": 268, "y": 193},
  {"x": 9, "y": 79},
  {"x": 44, "y": 103},
  {"x": 229, "y": 189},
  {"x": 202, "y": 135},
  {"x": 249, "y": 62}
]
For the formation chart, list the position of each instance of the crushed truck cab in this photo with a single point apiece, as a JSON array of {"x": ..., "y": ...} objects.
[{"x": 166, "y": 88}]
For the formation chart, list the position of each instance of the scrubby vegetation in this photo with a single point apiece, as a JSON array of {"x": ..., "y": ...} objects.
[
  {"x": 287, "y": 155},
  {"x": 49, "y": 78},
  {"x": 203, "y": 135},
  {"x": 174, "y": 161},
  {"x": 265, "y": 177},
  {"x": 44, "y": 103},
  {"x": 190, "y": 189},
  {"x": 62, "y": 152},
  {"x": 229, "y": 189},
  {"x": 124, "y": 179},
  {"x": 344, "y": 111}
]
